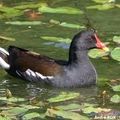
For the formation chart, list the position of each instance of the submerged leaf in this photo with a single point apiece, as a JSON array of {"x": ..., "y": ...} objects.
[
  {"x": 115, "y": 99},
  {"x": 63, "y": 97},
  {"x": 115, "y": 54},
  {"x": 60, "y": 10},
  {"x": 65, "y": 115}
]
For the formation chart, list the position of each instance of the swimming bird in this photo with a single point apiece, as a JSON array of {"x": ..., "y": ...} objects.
[{"x": 77, "y": 71}]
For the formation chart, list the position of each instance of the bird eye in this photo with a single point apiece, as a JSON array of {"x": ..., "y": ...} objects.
[{"x": 93, "y": 38}]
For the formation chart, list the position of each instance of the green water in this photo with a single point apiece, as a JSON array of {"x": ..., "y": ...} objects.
[{"x": 107, "y": 24}]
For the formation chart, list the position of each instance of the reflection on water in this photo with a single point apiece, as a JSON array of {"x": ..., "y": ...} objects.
[{"x": 20, "y": 88}]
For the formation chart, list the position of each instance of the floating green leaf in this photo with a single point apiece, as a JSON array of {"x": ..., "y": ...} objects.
[
  {"x": 94, "y": 53},
  {"x": 117, "y": 5},
  {"x": 90, "y": 108},
  {"x": 12, "y": 99},
  {"x": 65, "y": 24},
  {"x": 115, "y": 99},
  {"x": 29, "y": 106},
  {"x": 6, "y": 38},
  {"x": 63, "y": 97},
  {"x": 4, "y": 118},
  {"x": 29, "y": 5},
  {"x": 56, "y": 39},
  {"x": 60, "y": 10},
  {"x": 69, "y": 25},
  {"x": 115, "y": 54},
  {"x": 102, "y": 1},
  {"x": 72, "y": 106},
  {"x": 30, "y": 116},
  {"x": 116, "y": 88},
  {"x": 25, "y": 22},
  {"x": 8, "y": 12},
  {"x": 65, "y": 115},
  {"x": 54, "y": 21},
  {"x": 116, "y": 39},
  {"x": 16, "y": 111},
  {"x": 101, "y": 7}
]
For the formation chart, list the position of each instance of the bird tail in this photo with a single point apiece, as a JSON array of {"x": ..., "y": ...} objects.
[{"x": 4, "y": 59}]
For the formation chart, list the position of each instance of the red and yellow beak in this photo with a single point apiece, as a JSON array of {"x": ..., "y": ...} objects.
[{"x": 100, "y": 44}]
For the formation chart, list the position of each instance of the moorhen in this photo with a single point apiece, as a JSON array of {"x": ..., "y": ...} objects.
[{"x": 78, "y": 71}]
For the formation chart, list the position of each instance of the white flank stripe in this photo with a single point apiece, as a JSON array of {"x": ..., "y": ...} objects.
[
  {"x": 37, "y": 75},
  {"x": 4, "y": 51},
  {"x": 43, "y": 77},
  {"x": 33, "y": 76},
  {"x": 3, "y": 64}
]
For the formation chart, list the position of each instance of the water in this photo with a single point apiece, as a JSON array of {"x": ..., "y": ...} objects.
[{"x": 28, "y": 36}]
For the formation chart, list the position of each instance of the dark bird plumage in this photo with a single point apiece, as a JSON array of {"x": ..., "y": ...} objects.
[{"x": 78, "y": 71}]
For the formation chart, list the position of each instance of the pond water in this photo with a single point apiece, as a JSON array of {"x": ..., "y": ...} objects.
[{"x": 29, "y": 36}]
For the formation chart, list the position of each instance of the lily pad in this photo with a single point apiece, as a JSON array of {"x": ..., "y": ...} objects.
[
  {"x": 115, "y": 99},
  {"x": 116, "y": 39},
  {"x": 56, "y": 39},
  {"x": 116, "y": 88},
  {"x": 95, "y": 53},
  {"x": 60, "y": 10},
  {"x": 24, "y": 22},
  {"x": 63, "y": 97},
  {"x": 65, "y": 115},
  {"x": 115, "y": 54}
]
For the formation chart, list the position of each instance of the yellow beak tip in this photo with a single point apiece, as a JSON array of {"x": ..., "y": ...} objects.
[{"x": 106, "y": 49}]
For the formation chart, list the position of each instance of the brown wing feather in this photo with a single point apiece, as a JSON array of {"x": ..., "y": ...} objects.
[{"x": 38, "y": 63}]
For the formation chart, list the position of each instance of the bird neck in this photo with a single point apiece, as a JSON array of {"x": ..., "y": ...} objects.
[{"x": 78, "y": 56}]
